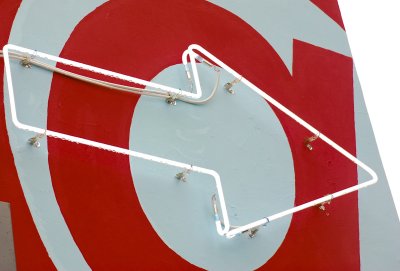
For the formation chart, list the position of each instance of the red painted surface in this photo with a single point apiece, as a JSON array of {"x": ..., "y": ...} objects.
[
  {"x": 331, "y": 8},
  {"x": 29, "y": 249},
  {"x": 323, "y": 96},
  {"x": 94, "y": 188}
]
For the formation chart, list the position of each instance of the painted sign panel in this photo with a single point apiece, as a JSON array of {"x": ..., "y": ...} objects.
[{"x": 79, "y": 208}]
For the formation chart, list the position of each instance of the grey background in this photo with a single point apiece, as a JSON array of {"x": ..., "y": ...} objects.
[{"x": 7, "y": 254}]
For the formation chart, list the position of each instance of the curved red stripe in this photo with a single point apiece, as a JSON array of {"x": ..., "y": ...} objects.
[
  {"x": 331, "y": 8},
  {"x": 30, "y": 252},
  {"x": 94, "y": 188}
]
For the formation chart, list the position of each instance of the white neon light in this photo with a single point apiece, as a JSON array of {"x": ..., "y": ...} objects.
[{"x": 190, "y": 52}]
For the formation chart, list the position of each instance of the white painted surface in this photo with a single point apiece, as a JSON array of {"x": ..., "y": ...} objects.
[
  {"x": 31, "y": 28},
  {"x": 251, "y": 154},
  {"x": 373, "y": 29},
  {"x": 285, "y": 20},
  {"x": 227, "y": 231}
]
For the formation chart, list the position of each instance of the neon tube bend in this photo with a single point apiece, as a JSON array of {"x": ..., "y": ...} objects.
[{"x": 226, "y": 229}]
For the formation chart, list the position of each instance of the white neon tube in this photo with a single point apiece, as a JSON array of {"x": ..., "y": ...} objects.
[
  {"x": 306, "y": 125},
  {"x": 192, "y": 56},
  {"x": 96, "y": 144},
  {"x": 98, "y": 70}
]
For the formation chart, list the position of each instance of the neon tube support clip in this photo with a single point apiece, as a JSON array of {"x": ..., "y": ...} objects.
[{"x": 34, "y": 141}]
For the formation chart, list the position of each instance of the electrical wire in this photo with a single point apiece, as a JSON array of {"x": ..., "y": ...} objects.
[{"x": 28, "y": 61}]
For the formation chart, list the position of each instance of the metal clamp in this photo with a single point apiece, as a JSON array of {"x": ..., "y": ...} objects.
[
  {"x": 322, "y": 207},
  {"x": 307, "y": 141},
  {"x": 171, "y": 100},
  {"x": 34, "y": 141},
  {"x": 228, "y": 86},
  {"x": 26, "y": 61},
  {"x": 182, "y": 176}
]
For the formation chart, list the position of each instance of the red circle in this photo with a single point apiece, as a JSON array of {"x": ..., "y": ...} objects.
[{"x": 93, "y": 187}]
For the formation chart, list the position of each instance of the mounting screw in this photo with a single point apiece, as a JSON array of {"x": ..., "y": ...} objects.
[
  {"x": 171, "y": 100},
  {"x": 252, "y": 232},
  {"x": 26, "y": 62},
  {"x": 228, "y": 87},
  {"x": 182, "y": 176},
  {"x": 322, "y": 207},
  {"x": 34, "y": 141},
  {"x": 307, "y": 141}
]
